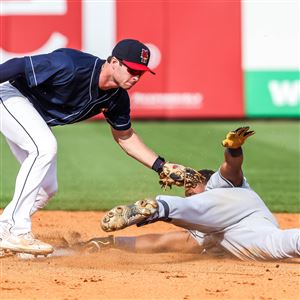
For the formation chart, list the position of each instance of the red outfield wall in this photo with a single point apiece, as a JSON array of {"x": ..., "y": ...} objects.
[
  {"x": 27, "y": 32},
  {"x": 196, "y": 49},
  {"x": 200, "y": 73}
]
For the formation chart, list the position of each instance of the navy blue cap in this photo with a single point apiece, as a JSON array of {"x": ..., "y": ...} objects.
[{"x": 134, "y": 54}]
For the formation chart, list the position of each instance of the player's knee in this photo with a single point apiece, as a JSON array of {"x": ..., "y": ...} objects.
[
  {"x": 48, "y": 150},
  {"x": 44, "y": 149}
]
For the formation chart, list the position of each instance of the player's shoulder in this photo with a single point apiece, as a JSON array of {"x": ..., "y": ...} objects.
[
  {"x": 68, "y": 58},
  {"x": 72, "y": 51},
  {"x": 74, "y": 56}
]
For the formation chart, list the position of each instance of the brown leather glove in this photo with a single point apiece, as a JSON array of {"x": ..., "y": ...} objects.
[{"x": 174, "y": 174}]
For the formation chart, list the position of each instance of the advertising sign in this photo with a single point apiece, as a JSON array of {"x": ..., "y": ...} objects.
[
  {"x": 273, "y": 94},
  {"x": 271, "y": 59}
]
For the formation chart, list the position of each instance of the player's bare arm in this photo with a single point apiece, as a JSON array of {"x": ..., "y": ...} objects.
[
  {"x": 133, "y": 145},
  {"x": 231, "y": 169},
  {"x": 175, "y": 241}
]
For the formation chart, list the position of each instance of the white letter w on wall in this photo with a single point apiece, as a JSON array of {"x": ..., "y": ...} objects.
[{"x": 285, "y": 93}]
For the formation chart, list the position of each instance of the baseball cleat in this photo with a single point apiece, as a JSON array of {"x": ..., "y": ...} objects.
[
  {"x": 29, "y": 256},
  {"x": 26, "y": 243},
  {"x": 126, "y": 215},
  {"x": 5, "y": 253}
]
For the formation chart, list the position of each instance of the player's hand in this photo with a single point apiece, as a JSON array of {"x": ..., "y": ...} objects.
[
  {"x": 96, "y": 244},
  {"x": 235, "y": 139}
]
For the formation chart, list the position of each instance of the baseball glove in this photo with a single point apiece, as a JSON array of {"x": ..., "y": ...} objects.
[
  {"x": 235, "y": 139},
  {"x": 173, "y": 174},
  {"x": 96, "y": 244}
]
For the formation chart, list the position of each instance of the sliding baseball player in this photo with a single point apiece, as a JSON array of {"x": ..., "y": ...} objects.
[{"x": 220, "y": 212}]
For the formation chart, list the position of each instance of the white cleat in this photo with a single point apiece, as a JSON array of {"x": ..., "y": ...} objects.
[
  {"x": 4, "y": 233},
  {"x": 25, "y": 243},
  {"x": 5, "y": 253}
]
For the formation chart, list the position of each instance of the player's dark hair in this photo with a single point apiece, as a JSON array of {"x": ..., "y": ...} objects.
[
  {"x": 206, "y": 174},
  {"x": 110, "y": 58}
]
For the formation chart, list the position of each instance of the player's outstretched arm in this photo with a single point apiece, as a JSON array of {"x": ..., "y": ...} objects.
[
  {"x": 231, "y": 169},
  {"x": 133, "y": 145},
  {"x": 169, "y": 173},
  {"x": 177, "y": 241}
]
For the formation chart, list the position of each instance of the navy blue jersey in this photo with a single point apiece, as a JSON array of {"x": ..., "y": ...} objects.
[{"x": 63, "y": 87}]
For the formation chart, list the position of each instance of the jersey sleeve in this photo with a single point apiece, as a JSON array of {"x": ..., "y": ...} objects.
[
  {"x": 119, "y": 116},
  {"x": 11, "y": 69},
  {"x": 55, "y": 67},
  {"x": 218, "y": 181}
]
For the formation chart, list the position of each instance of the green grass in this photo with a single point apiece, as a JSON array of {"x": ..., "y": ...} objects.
[{"x": 95, "y": 174}]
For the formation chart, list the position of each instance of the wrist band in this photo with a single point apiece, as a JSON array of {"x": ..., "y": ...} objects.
[
  {"x": 158, "y": 164},
  {"x": 235, "y": 152}
]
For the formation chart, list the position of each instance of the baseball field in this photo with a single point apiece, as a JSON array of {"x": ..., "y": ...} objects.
[{"x": 94, "y": 175}]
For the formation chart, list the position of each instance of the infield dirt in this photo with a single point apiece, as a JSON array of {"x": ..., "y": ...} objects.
[{"x": 115, "y": 274}]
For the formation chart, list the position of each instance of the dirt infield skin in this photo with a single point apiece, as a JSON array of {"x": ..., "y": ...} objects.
[{"x": 115, "y": 274}]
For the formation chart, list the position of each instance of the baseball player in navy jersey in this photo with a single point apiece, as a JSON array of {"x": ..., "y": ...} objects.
[
  {"x": 60, "y": 88},
  {"x": 221, "y": 214}
]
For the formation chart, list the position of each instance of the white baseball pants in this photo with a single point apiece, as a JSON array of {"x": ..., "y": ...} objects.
[{"x": 34, "y": 145}]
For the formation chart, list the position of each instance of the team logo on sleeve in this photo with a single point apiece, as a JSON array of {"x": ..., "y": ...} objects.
[{"x": 144, "y": 56}]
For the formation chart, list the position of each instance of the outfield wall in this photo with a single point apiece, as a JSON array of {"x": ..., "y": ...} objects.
[{"x": 213, "y": 59}]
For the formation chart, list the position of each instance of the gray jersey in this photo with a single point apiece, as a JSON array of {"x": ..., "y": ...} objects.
[{"x": 218, "y": 181}]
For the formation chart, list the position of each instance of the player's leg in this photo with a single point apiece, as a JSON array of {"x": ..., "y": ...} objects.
[
  {"x": 260, "y": 240},
  {"x": 22, "y": 125},
  {"x": 19, "y": 153},
  {"x": 47, "y": 190},
  {"x": 181, "y": 212},
  {"x": 49, "y": 184},
  {"x": 280, "y": 244},
  {"x": 208, "y": 243}
]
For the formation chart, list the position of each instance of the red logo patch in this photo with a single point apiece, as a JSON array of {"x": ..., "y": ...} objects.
[{"x": 144, "y": 56}]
